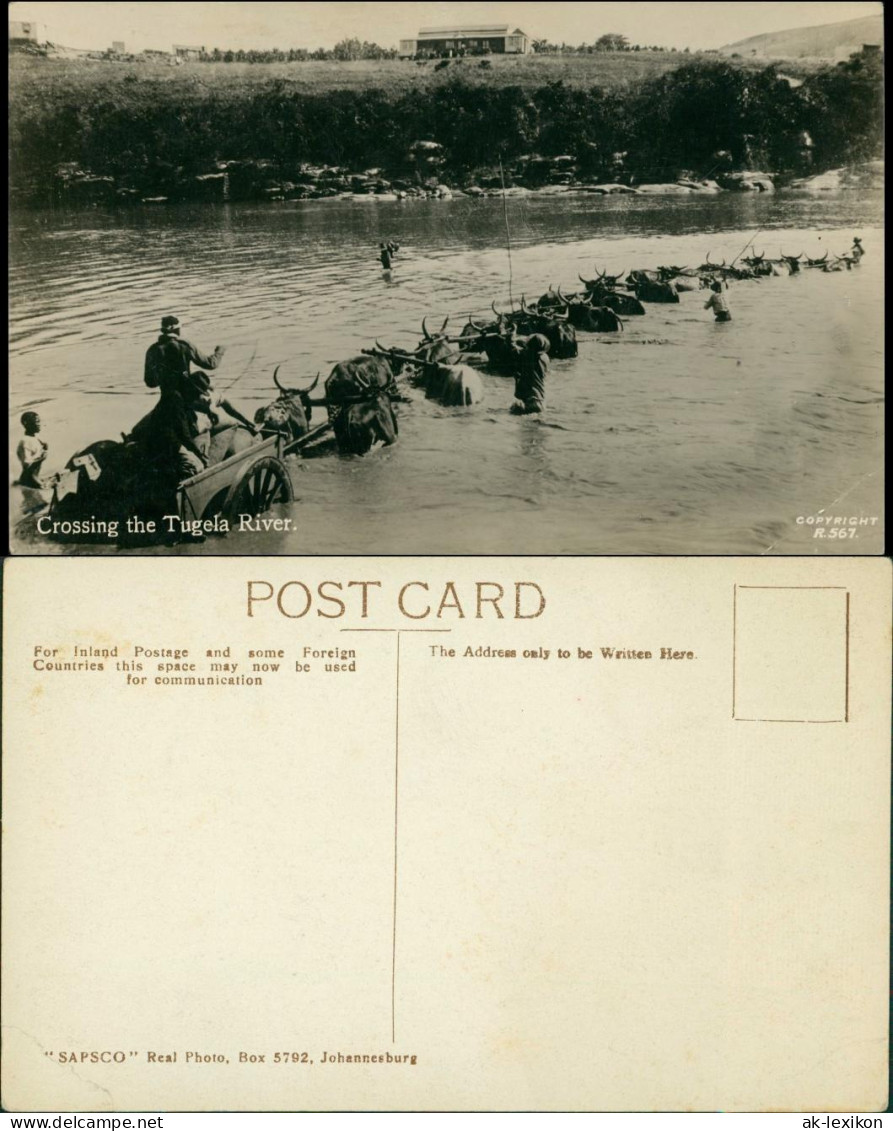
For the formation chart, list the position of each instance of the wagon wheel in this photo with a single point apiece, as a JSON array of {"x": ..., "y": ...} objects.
[{"x": 258, "y": 488}]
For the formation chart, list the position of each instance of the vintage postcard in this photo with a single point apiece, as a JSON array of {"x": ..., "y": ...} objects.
[
  {"x": 448, "y": 834},
  {"x": 446, "y": 278}
]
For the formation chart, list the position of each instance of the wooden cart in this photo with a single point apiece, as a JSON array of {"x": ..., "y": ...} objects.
[{"x": 249, "y": 482}]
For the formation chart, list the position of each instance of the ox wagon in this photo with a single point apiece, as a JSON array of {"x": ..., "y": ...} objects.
[{"x": 108, "y": 482}]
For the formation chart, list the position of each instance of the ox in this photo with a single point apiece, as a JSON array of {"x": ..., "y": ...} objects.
[
  {"x": 453, "y": 385},
  {"x": 679, "y": 277},
  {"x": 648, "y": 289},
  {"x": 839, "y": 263},
  {"x": 444, "y": 381},
  {"x": 761, "y": 266},
  {"x": 609, "y": 281},
  {"x": 556, "y": 328},
  {"x": 358, "y": 399},
  {"x": 600, "y": 294},
  {"x": 289, "y": 414},
  {"x": 712, "y": 271},
  {"x": 793, "y": 262},
  {"x": 495, "y": 338},
  {"x": 587, "y": 316}
]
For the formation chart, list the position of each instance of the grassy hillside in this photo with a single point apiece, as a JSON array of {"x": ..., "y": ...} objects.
[
  {"x": 389, "y": 76},
  {"x": 824, "y": 41}
]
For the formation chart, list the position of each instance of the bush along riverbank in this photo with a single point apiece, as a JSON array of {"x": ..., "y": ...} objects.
[{"x": 703, "y": 127}]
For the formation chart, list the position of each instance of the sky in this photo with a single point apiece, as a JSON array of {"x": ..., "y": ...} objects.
[{"x": 702, "y": 25}]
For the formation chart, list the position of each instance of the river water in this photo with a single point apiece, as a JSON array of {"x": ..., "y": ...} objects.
[{"x": 677, "y": 436}]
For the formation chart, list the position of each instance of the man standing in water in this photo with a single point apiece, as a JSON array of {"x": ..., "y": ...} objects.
[
  {"x": 857, "y": 250},
  {"x": 385, "y": 256},
  {"x": 717, "y": 303},
  {"x": 168, "y": 359},
  {"x": 530, "y": 384}
]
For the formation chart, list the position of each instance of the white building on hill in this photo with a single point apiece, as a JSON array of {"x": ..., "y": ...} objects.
[
  {"x": 485, "y": 39},
  {"x": 26, "y": 31}
]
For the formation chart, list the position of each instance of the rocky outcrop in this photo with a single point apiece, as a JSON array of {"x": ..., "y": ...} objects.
[
  {"x": 868, "y": 174},
  {"x": 747, "y": 182},
  {"x": 609, "y": 189},
  {"x": 665, "y": 189}
]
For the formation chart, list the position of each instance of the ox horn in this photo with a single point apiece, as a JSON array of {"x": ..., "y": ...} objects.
[
  {"x": 493, "y": 307},
  {"x": 310, "y": 388},
  {"x": 445, "y": 324},
  {"x": 599, "y": 274},
  {"x": 585, "y": 282},
  {"x": 425, "y": 329},
  {"x": 281, "y": 388},
  {"x": 561, "y": 296}
]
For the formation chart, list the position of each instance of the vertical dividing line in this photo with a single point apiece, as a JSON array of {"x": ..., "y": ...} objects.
[
  {"x": 846, "y": 705},
  {"x": 396, "y": 799},
  {"x": 734, "y": 640},
  {"x": 508, "y": 238}
]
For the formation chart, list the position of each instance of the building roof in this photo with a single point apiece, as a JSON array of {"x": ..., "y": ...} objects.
[{"x": 466, "y": 31}]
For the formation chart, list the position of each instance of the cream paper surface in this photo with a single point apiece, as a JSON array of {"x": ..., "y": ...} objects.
[{"x": 556, "y": 882}]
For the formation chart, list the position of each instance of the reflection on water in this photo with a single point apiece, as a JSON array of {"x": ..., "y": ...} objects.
[{"x": 678, "y": 435}]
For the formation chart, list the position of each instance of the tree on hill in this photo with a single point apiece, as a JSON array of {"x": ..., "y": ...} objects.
[{"x": 611, "y": 41}]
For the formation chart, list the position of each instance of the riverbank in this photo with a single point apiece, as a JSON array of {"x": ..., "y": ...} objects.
[
  {"x": 258, "y": 181},
  {"x": 113, "y": 134}
]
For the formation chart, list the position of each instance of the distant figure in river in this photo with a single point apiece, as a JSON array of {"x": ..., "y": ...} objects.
[
  {"x": 857, "y": 251},
  {"x": 717, "y": 303},
  {"x": 168, "y": 359},
  {"x": 385, "y": 256},
  {"x": 530, "y": 384},
  {"x": 393, "y": 248},
  {"x": 31, "y": 452}
]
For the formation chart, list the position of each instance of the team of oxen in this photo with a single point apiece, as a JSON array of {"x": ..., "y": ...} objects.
[{"x": 359, "y": 393}]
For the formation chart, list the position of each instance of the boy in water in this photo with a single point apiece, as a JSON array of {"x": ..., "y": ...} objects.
[
  {"x": 717, "y": 303},
  {"x": 31, "y": 451}
]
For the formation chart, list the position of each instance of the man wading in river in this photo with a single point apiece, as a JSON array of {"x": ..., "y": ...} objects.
[
  {"x": 530, "y": 384},
  {"x": 168, "y": 359},
  {"x": 717, "y": 303}
]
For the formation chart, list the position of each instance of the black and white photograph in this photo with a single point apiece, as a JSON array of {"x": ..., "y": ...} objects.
[{"x": 446, "y": 278}]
